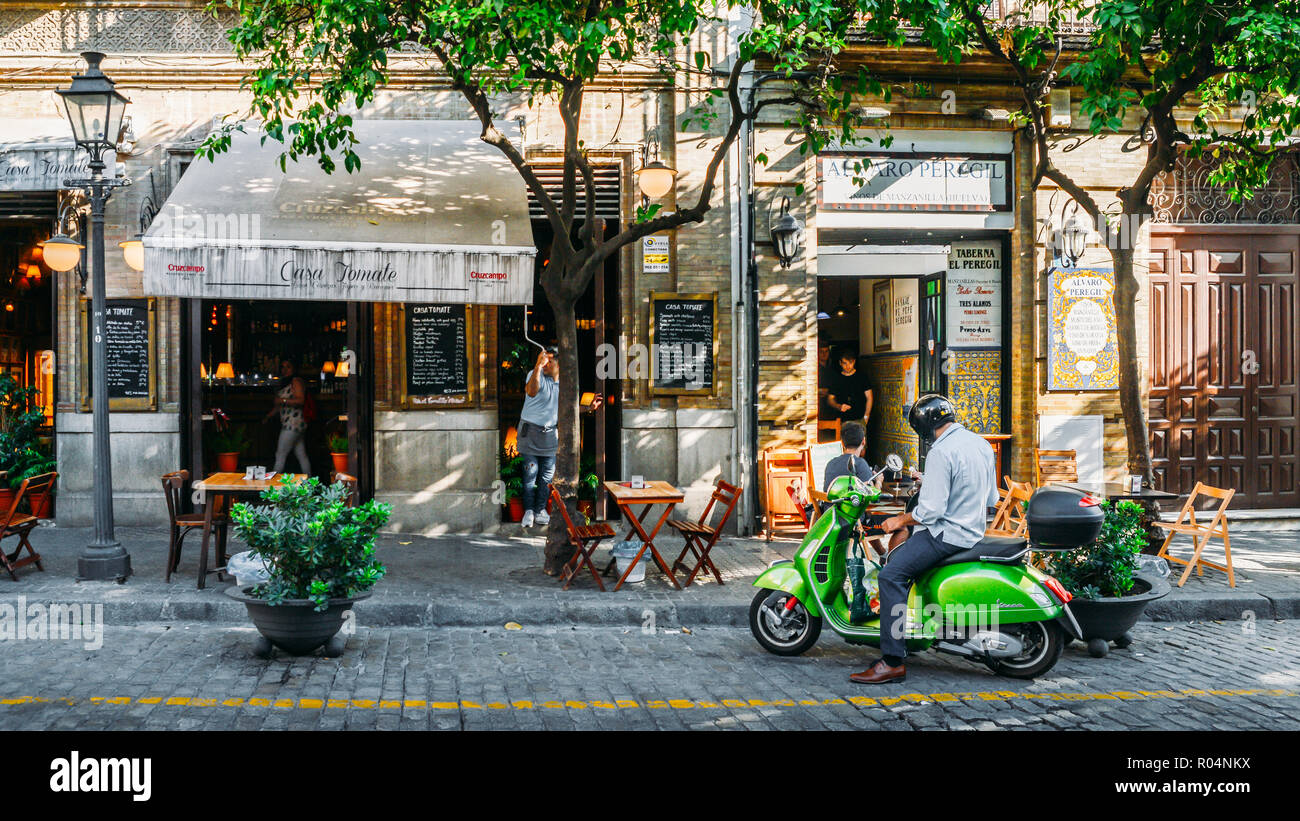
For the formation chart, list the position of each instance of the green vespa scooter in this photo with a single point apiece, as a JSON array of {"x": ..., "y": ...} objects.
[{"x": 984, "y": 603}]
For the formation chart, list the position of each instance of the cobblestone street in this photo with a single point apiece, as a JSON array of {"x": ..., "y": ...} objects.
[{"x": 1224, "y": 676}]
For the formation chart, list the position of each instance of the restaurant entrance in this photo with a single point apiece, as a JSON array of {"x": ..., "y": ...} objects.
[{"x": 237, "y": 353}]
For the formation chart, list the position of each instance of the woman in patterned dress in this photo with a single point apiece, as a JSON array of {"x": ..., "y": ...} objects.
[{"x": 289, "y": 401}]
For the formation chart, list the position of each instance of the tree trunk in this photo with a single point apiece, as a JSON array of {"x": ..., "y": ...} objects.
[
  {"x": 1132, "y": 398},
  {"x": 568, "y": 455}
]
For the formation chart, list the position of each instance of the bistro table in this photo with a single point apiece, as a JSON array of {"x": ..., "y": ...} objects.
[
  {"x": 219, "y": 486},
  {"x": 1148, "y": 498},
  {"x": 654, "y": 493}
]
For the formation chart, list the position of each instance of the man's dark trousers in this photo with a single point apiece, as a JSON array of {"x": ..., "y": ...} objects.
[{"x": 910, "y": 559}]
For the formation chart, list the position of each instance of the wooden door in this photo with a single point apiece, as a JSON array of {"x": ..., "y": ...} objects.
[
  {"x": 1223, "y": 389},
  {"x": 932, "y": 376}
]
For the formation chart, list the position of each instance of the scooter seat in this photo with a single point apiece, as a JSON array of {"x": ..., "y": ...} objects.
[{"x": 1005, "y": 549}]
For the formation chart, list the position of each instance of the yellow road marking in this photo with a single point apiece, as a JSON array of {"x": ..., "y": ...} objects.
[{"x": 649, "y": 704}]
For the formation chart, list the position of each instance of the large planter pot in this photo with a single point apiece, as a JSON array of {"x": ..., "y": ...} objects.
[
  {"x": 7, "y": 496},
  {"x": 340, "y": 462},
  {"x": 228, "y": 462},
  {"x": 1110, "y": 619},
  {"x": 294, "y": 625}
]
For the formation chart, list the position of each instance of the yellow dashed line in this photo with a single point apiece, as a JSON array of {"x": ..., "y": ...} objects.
[{"x": 649, "y": 704}]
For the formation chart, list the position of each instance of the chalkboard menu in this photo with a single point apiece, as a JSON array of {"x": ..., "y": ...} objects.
[
  {"x": 683, "y": 330},
  {"x": 437, "y": 357},
  {"x": 128, "y": 328}
]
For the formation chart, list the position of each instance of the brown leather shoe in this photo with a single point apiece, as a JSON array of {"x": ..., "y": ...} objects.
[{"x": 880, "y": 673}]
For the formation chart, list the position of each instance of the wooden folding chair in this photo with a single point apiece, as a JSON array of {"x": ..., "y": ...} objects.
[
  {"x": 20, "y": 525},
  {"x": 584, "y": 538},
  {"x": 1055, "y": 466},
  {"x": 1201, "y": 533},
  {"x": 700, "y": 536},
  {"x": 350, "y": 481},
  {"x": 1009, "y": 518},
  {"x": 173, "y": 485}
]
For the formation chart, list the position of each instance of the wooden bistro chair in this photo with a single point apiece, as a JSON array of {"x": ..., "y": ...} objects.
[
  {"x": 1201, "y": 532},
  {"x": 584, "y": 538},
  {"x": 700, "y": 536},
  {"x": 1009, "y": 518},
  {"x": 1055, "y": 466},
  {"x": 350, "y": 482},
  {"x": 20, "y": 525},
  {"x": 181, "y": 524}
]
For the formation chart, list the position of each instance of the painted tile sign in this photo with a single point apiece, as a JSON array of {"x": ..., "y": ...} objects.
[
  {"x": 975, "y": 295},
  {"x": 1081, "y": 353}
]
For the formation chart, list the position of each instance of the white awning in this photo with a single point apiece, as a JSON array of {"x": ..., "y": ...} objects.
[
  {"x": 39, "y": 155},
  {"x": 433, "y": 215},
  {"x": 881, "y": 260}
]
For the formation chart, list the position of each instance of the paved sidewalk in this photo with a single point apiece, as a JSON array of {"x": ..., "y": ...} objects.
[{"x": 469, "y": 580}]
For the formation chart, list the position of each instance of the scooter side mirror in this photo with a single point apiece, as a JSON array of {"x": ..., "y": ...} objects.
[{"x": 894, "y": 462}]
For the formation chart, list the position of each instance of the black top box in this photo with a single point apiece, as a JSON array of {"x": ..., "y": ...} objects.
[{"x": 1061, "y": 518}]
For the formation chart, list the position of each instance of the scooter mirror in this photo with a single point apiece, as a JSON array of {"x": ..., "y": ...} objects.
[{"x": 894, "y": 462}]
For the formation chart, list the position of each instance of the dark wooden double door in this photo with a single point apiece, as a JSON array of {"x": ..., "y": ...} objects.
[{"x": 1223, "y": 367}]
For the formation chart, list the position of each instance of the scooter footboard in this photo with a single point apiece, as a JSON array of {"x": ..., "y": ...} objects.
[{"x": 785, "y": 577}]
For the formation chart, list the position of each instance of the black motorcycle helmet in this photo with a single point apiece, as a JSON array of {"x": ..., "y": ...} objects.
[{"x": 930, "y": 413}]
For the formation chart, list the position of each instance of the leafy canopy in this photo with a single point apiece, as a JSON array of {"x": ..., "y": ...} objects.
[{"x": 315, "y": 60}]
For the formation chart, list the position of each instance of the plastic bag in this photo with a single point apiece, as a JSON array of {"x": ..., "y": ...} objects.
[
  {"x": 1154, "y": 565},
  {"x": 248, "y": 569},
  {"x": 864, "y": 587}
]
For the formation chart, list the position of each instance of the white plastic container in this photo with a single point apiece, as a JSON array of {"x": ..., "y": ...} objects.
[
  {"x": 624, "y": 553},
  {"x": 246, "y": 569}
]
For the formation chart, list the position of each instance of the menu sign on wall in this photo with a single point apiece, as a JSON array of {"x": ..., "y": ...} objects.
[
  {"x": 1082, "y": 347},
  {"x": 437, "y": 356},
  {"x": 128, "y": 331},
  {"x": 974, "y": 313},
  {"x": 683, "y": 330}
]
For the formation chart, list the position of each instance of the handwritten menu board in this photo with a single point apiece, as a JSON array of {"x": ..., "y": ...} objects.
[
  {"x": 129, "y": 352},
  {"x": 437, "y": 360},
  {"x": 683, "y": 328}
]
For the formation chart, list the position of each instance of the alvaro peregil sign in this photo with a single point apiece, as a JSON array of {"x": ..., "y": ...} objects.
[{"x": 926, "y": 182}]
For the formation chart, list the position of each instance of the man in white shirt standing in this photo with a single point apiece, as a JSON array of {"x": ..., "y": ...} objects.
[
  {"x": 959, "y": 486},
  {"x": 538, "y": 435}
]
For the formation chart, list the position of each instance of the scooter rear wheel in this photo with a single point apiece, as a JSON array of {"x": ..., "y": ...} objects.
[
  {"x": 792, "y": 638},
  {"x": 1044, "y": 641}
]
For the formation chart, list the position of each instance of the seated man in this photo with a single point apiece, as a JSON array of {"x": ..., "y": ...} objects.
[
  {"x": 960, "y": 484},
  {"x": 850, "y": 463}
]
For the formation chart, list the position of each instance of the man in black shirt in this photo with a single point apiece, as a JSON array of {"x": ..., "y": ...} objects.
[{"x": 850, "y": 394}]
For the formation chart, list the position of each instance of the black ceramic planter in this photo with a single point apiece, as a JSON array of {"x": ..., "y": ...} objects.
[
  {"x": 1105, "y": 620},
  {"x": 294, "y": 625}
]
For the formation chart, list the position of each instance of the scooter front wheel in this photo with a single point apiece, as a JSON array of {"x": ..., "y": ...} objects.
[
  {"x": 1043, "y": 642},
  {"x": 781, "y": 631}
]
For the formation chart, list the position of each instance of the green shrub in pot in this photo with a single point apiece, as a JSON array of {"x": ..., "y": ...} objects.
[
  {"x": 315, "y": 546},
  {"x": 1106, "y": 568}
]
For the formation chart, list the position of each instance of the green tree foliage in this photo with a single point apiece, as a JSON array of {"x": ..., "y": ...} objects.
[
  {"x": 1201, "y": 76},
  {"x": 317, "y": 62}
]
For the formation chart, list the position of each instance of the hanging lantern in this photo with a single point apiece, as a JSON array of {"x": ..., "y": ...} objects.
[{"x": 786, "y": 232}]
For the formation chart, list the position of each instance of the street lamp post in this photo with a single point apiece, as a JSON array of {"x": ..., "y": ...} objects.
[{"x": 95, "y": 111}]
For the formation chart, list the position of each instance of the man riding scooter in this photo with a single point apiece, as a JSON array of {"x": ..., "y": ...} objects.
[{"x": 958, "y": 487}]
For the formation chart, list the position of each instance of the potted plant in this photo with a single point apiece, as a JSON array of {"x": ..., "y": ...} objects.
[
  {"x": 321, "y": 557},
  {"x": 338, "y": 444},
  {"x": 228, "y": 443},
  {"x": 588, "y": 485},
  {"x": 20, "y": 419},
  {"x": 512, "y": 478},
  {"x": 1110, "y": 591},
  {"x": 34, "y": 461}
]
